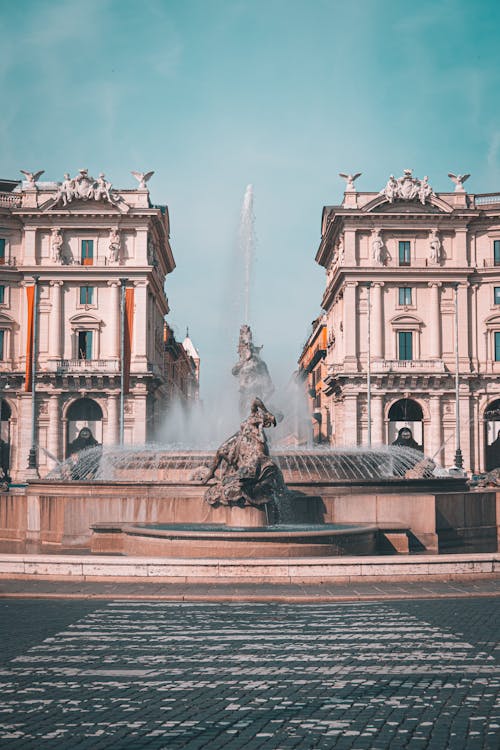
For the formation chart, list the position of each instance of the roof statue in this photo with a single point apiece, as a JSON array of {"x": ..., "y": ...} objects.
[
  {"x": 32, "y": 177},
  {"x": 407, "y": 188},
  {"x": 459, "y": 180},
  {"x": 85, "y": 187},
  {"x": 142, "y": 178},
  {"x": 349, "y": 180}
]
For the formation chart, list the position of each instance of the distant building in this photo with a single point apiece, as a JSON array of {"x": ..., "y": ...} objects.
[
  {"x": 312, "y": 372},
  {"x": 83, "y": 241},
  {"x": 182, "y": 368},
  {"x": 416, "y": 249}
]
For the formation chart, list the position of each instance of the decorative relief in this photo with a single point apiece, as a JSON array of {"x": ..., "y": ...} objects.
[
  {"x": 378, "y": 248},
  {"x": 407, "y": 188},
  {"x": 86, "y": 188},
  {"x": 114, "y": 246},
  {"x": 56, "y": 246},
  {"x": 435, "y": 247}
]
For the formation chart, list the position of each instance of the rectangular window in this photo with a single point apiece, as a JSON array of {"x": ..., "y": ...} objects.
[
  {"x": 496, "y": 295},
  {"x": 2, "y": 344},
  {"x": 405, "y": 345},
  {"x": 84, "y": 344},
  {"x": 405, "y": 295},
  {"x": 2, "y": 252},
  {"x": 404, "y": 253},
  {"x": 86, "y": 295},
  {"x": 496, "y": 252},
  {"x": 2, "y": 295},
  {"x": 497, "y": 346},
  {"x": 87, "y": 252}
]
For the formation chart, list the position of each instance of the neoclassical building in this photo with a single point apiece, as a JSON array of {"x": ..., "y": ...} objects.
[
  {"x": 403, "y": 265},
  {"x": 82, "y": 273}
]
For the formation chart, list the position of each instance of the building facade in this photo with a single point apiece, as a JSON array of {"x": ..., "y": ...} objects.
[
  {"x": 82, "y": 273},
  {"x": 312, "y": 373},
  {"x": 182, "y": 368},
  {"x": 406, "y": 269}
]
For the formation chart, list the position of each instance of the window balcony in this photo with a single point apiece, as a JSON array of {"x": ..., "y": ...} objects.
[
  {"x": 79, "y": 366},
  {"x": 408, "y": 365}
]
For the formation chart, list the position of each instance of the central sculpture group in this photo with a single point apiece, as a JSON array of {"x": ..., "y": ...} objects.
[{"x": 244, "y": 472}]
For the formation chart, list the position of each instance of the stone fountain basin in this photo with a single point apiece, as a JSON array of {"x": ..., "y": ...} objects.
[{"x": 218, "y": 540}]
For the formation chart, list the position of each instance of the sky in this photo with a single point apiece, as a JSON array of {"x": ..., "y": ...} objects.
[{"x": 282, "y": 94}]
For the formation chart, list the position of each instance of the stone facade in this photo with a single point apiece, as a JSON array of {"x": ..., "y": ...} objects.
[
  {"x": 404, "y": 258},
  {"x": 182, "y": 368},
  {"x": 83, "y": 240},
  {"x": 312, "y": 373}
]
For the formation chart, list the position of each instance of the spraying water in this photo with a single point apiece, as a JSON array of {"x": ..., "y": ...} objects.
[{"x": 247, "y": 246}]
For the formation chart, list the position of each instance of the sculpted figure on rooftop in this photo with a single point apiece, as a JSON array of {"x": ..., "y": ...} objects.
[
  {"x": 459, "y": 180},
  {"x": 349, "y": 181},
  {"x": 32, "y": 177},
  {"x": 407, "y": 188}
]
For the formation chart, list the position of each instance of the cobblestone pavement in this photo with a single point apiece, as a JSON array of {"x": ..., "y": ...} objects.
[{"x": 155, "y": 674}]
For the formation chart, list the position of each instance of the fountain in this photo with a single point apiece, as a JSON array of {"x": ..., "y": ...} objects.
[{"x": 245, "y": 501}]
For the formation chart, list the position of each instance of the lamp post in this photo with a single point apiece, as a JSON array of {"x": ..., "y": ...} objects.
[
  {"x": 32, "y": 458},
  {"x": 458, "y": 453},
  {"x": 123, "y": 283},
  {"x": 368, "y": 366}
]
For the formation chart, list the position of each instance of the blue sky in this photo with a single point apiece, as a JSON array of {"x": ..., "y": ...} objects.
[{"x": 283, "y": 94}]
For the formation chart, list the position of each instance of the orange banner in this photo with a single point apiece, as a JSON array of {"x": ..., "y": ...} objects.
[
  {"x": 30, "y": 294},
  {"x": 129, "y": 327}
]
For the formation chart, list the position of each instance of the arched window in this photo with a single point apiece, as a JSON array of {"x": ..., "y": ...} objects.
[
  {"x": 84, "y": 414},
  {"x": 492, "y": 435},
  {"x": 406, "y": 413}
]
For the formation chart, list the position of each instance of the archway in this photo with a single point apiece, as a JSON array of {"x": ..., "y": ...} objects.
[
  {"x": 492, "y": 435},
  {"x": 406, "y": 413},
  {"x": 5, "y": 415},
  {"x": 83, "y": 413}
]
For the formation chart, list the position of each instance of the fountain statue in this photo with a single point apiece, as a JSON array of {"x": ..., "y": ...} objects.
[
  {"x": 251, "y": 371},
  {"x": 247, "y": 475}
]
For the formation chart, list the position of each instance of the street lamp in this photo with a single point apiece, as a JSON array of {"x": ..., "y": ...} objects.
[
  {"x": 123, "y": 283},
  {"x": 368, "y": 366},
  {"x": 32, "y": 462},
  {"x": 459, "y": 462}
]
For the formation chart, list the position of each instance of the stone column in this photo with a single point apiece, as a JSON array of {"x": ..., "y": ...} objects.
[
  {"x": 434, "y": 449},
  {"x": 113, "y": 430},
  {"x": 350, "y": 320},
  {"x": 55, "y": 334},
  {"x": 54, "y": 428},
  {"x": 377, "y": 321},
  {"x": 435, "y": 349},
  {"x": 114, "y": 320},
  {"x": 140, "y": 327},
  {"x": 378, "y": 432}
]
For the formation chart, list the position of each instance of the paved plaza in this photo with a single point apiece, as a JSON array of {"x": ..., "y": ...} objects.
[{"x": 155, "y": 674}]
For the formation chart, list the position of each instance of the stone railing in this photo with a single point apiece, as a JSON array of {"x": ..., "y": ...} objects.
[
  {"x": 486, "y": 198},
  {"x": 10, "y": 199},
  {"x": 87, "y": 365},
  {"x": 408, "y": 365}
]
